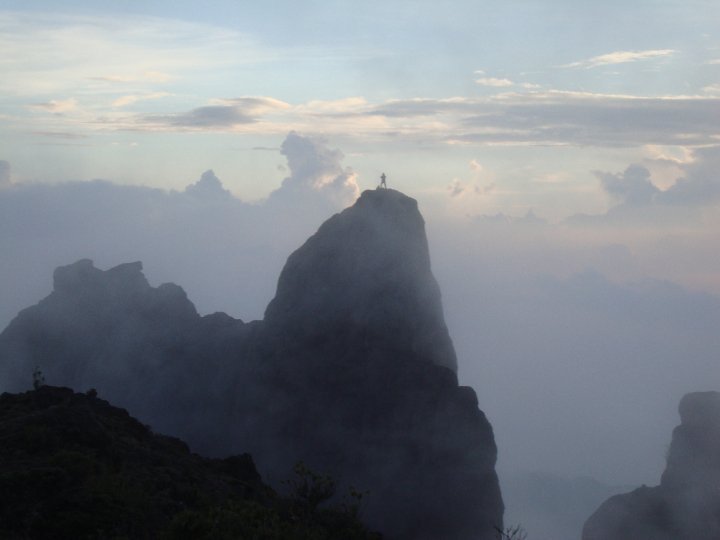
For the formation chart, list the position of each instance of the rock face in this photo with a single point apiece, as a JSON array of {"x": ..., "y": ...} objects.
[
  {"x": 364, "y": 280},
  {"x": 686, "y": 504},
  {"x": 352, "y": 370}
]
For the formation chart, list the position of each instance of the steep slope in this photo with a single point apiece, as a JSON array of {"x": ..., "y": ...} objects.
[
  {"x": 352, "y": 370},
  {"x": 73, "y": 466},
  {"x": 686, "y": 504}
]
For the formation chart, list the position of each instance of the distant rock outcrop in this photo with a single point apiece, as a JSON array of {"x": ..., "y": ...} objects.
[
  {"x": 686, "y": 504},
  {"x": 352, "y": 370}
]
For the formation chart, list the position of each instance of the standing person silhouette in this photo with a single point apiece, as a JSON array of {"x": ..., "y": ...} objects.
[{"x": 383, "y": 183}]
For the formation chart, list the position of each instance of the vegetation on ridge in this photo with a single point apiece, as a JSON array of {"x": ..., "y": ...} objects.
[{"x": 73, "y": 466}]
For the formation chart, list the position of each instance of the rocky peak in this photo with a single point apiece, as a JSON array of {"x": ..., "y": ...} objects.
[
  {"x": 82, "y": 277},
  {"x": 694, "y": 456},
  {"x": 686, "y": 504},
  {"x": 122, "y": 285},
  {"x": 364, "y": 279}
]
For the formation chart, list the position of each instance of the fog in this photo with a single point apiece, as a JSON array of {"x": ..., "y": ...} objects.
[{"x": 580, "y": 337}]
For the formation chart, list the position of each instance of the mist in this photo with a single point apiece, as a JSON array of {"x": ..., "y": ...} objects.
[{"x": 579, "y": 337}]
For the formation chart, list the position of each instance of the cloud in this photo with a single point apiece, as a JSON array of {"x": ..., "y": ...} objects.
[
  {"x": 632, "y": 187},
  {"x": 503, "y": 83},
  {"x": 222, "y": 114},
  {"x": 124, "y": 101},
  {"x": 701, "y": 184},
  {"x": 494, "y": 82},
  {"x": 4, "y": 173},
  {"x": 577, "y": 118},
  {"x": 329, "y": 107},
  {"x": 640, "y": 201},
  {"x": 208, "y": 187},
  {"x": 56, "y": 105},
  {"x": 211, "y": 116},
  {"x": 147, "y": 76},
  {"x": 59, "y": 135},
  {"x": 316, "y": 174},
  {"x": 503, "y": 220},
  {"x": 620, "y": 57},
  {"x": 456, "y": 188},
  {"x": 519, "y": 118}
]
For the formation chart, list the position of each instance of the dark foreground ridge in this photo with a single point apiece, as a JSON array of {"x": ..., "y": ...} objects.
[
  {"x": 352, "y": 371},
  {"x": 73, "y": 466},
  {"x": 686, "y": 504}
]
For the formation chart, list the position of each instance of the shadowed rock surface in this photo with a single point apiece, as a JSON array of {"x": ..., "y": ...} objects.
[
  {"x": 686, "y": 504},
  {"x": 352, "y": 370}
]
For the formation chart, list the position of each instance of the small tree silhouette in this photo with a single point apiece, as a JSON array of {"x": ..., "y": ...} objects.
[
  {"x": 38, "y": 378},
  {"x": 511, "y": 533},
  {"x": 310, "y": 489}
]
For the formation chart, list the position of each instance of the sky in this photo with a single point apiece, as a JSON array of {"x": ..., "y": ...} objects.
[{"x": 564, "y": 154}]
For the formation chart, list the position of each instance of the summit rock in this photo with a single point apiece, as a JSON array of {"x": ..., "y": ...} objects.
[{"x": 364, "y": 279}]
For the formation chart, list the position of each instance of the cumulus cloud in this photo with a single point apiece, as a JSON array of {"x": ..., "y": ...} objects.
[
  {"x": 316, "y": 174},
  {"x": 639, "y": 200},
  {"x": 701, "y": 183},
  {"x": 209, "y": 187},
  {"x": 633, "y": 186},
  {"x": 699, "y": 187},
  {"x": 620, "y": 57}
]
